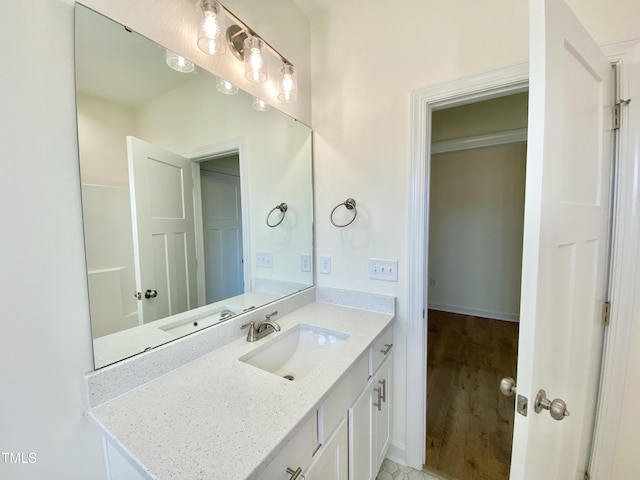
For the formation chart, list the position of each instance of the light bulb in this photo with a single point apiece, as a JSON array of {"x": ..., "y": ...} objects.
[
  {"x": 226, "y": 87},
  {"x": 288, "y": 84},
  {"x": 178, "y": 62},
  {"x": 211, "y": 36},
  {"x": 260, "y": 105},
  {"x": 254, "y": 61}
]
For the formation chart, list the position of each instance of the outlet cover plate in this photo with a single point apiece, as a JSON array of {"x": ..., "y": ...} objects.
[
  {"x": 305, "y": 262},
  {"x": 325, "y": 264}
]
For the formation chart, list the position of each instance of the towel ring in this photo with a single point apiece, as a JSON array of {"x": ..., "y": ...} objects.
[
  {"x": 283, "y": 209},
  {"x": 350, "y": 203}
]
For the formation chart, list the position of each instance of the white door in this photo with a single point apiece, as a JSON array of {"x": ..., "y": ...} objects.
[
  {"x": 565, "y": 243},
  {"x": 222, "y": 219},
  {"x": 161, "y": 187}
]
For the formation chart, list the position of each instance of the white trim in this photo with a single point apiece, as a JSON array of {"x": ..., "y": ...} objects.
[
  {"x": 476, "y": 312},
  {"x": 626, "y": 263},
  {"x": 488, "y": 85},
  {"x": 480, "y": 141},
  {"x": 216, "y": 150}
]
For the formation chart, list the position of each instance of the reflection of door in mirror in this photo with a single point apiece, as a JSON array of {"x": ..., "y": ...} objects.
[
  {"x": 222, "y": 227},
  {"x": 164, "y": 243}
]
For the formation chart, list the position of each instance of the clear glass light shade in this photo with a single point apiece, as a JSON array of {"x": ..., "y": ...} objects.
[
  {"x": 211, "y": 36},
  {"x": 255, "y": 65},
  {"x": 288, "y": 91},
  {"x": 260, "y": 105},
  {"x": 178, "y": 62},
  {"x": 223, "y": 86}
]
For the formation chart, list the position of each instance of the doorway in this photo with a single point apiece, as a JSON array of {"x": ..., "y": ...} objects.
[
  {"x": 222, "y": 227},
  {"x": 476, "y": 210}
]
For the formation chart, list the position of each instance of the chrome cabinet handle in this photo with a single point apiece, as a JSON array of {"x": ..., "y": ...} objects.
[
  {"x": 388, "y": 349},
  {"x": 383, "y": 382},
  {"x": 294, "y": 473},
  {"x": 379, "y": 404}
]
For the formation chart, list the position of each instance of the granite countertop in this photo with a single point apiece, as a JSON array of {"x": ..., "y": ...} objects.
[{"x": 220, "y": 418}]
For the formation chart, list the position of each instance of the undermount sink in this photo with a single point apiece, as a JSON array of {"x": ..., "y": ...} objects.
[
  {"x": 295, "y": 353},
  {"x": 189, "y": 325}
]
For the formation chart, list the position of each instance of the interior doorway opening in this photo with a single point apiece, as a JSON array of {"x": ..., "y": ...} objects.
[{"x": 476, "y": 209}]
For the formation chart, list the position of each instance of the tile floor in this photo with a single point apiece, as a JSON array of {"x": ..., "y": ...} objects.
[{"x": 392, "y": 471}]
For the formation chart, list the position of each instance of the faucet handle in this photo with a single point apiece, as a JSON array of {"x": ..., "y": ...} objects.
[
  {"x": 269, "y": 315},
  {"x": 250, "y": 324}
]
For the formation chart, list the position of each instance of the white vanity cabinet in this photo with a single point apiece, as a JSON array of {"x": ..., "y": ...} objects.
[{"x": 370, "y": 415}]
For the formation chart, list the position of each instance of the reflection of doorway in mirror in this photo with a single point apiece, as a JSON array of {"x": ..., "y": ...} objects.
[{"x": 222, "y": 227}]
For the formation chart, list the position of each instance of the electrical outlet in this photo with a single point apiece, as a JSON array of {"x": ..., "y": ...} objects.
[
  {"x": 325, "y": 264},
  {"x": 305, "y": 262},
  {"x": 383, "y": 269},
  {"x": 264, "y": 259}
]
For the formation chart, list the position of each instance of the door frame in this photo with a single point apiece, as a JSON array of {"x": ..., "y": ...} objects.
[
  {"x": 625, "y": 250},
  {"x": 498, "y": 83},
  {"x": 231, "y": 146}
]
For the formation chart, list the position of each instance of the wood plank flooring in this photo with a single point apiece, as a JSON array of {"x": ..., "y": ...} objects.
[{"x": 469, "y": 422}]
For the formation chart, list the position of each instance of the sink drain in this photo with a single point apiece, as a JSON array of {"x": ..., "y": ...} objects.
[{"x": 288, "y": 377}]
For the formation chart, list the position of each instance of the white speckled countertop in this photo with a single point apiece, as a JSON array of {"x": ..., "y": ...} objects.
[{"x": 219, "y": 418}]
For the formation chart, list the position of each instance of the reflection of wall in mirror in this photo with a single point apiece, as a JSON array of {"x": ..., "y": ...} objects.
[
  {"x": 278, "y": 165},
  {"x": 182, "y": 120},
  {"x": 102, "y": 128}
]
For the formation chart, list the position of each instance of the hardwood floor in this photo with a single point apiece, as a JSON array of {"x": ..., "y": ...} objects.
[{"x": 469, "y": 422}]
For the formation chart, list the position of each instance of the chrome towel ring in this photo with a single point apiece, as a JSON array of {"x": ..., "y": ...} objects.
[
  {"x": 350, "y": 203},
  {"x": 283, "y": 209}
]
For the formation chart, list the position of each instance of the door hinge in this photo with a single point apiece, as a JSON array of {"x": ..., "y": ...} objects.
[
  {"x": 606, "y": 313},
  {"x": 616, "y": 112}
]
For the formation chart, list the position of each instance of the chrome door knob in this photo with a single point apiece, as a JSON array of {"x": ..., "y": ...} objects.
[
  {"x": 557, "y": 407},
  {"x": 150, "y": 294},
  {"x": 508, "y": 386}
]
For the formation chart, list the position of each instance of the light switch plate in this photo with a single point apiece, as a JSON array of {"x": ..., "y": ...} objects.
[
  {"x": 264, "y": 259},
  {"x": 380, "y": 269}
]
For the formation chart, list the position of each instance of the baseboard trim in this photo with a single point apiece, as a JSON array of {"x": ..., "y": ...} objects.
[
  {"x": 509, "y": 317},
  {"x": 397, "y": 452}
]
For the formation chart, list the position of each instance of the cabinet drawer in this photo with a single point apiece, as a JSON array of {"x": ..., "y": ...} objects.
[
  {"x": 380, "y": 349},
  {"x": 296, "y": 453},
  {"x": 335, "y": 407}
]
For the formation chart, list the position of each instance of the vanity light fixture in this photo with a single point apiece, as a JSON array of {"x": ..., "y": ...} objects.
[
  {"x": 255, "y": 66},
  {"x": 260, "y": 105},
  {"x": 226, "y": 87},
  {"x": 178, "y": 62},
  {"x": 211, "y": 38},
  {"x": 288, "y": 84}
]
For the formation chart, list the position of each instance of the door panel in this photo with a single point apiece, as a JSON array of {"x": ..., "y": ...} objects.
[
  {"x": 161, "y": 187},
  {"x": 565, "y": 242}
]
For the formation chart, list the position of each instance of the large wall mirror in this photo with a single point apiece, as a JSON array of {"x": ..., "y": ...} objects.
[{"x": 183, "y": 190}]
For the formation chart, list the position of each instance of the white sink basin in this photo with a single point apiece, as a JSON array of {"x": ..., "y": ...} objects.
[
  {"x": 296, "y": 352},
  {"x": 189, "y": 325}
]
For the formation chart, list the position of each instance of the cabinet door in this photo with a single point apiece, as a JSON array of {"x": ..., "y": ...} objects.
[
  {"x": 331, "y": 461},
  {"x": 382, "y": 426},
  {"x": 361, "y": 416}
]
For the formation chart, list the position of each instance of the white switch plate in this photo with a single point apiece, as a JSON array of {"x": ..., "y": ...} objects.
[
  {"x": 264, "y": 259},
  {"x": 380, "y": 269},
  {"x": 305, "y": 262},
  {"x": 325, "y": 264}
]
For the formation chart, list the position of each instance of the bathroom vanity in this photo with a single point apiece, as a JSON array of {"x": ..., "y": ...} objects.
[{"x": 231, "y": 414}]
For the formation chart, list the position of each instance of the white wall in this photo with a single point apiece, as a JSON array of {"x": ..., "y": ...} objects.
[
  {"x": 45, "y": 345},
  {"x": 367, "y": 58},
  {"x": 475, "y": 231}
]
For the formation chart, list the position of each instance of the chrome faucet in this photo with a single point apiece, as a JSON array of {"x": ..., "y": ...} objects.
[{"x": 262, "y": 329}]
